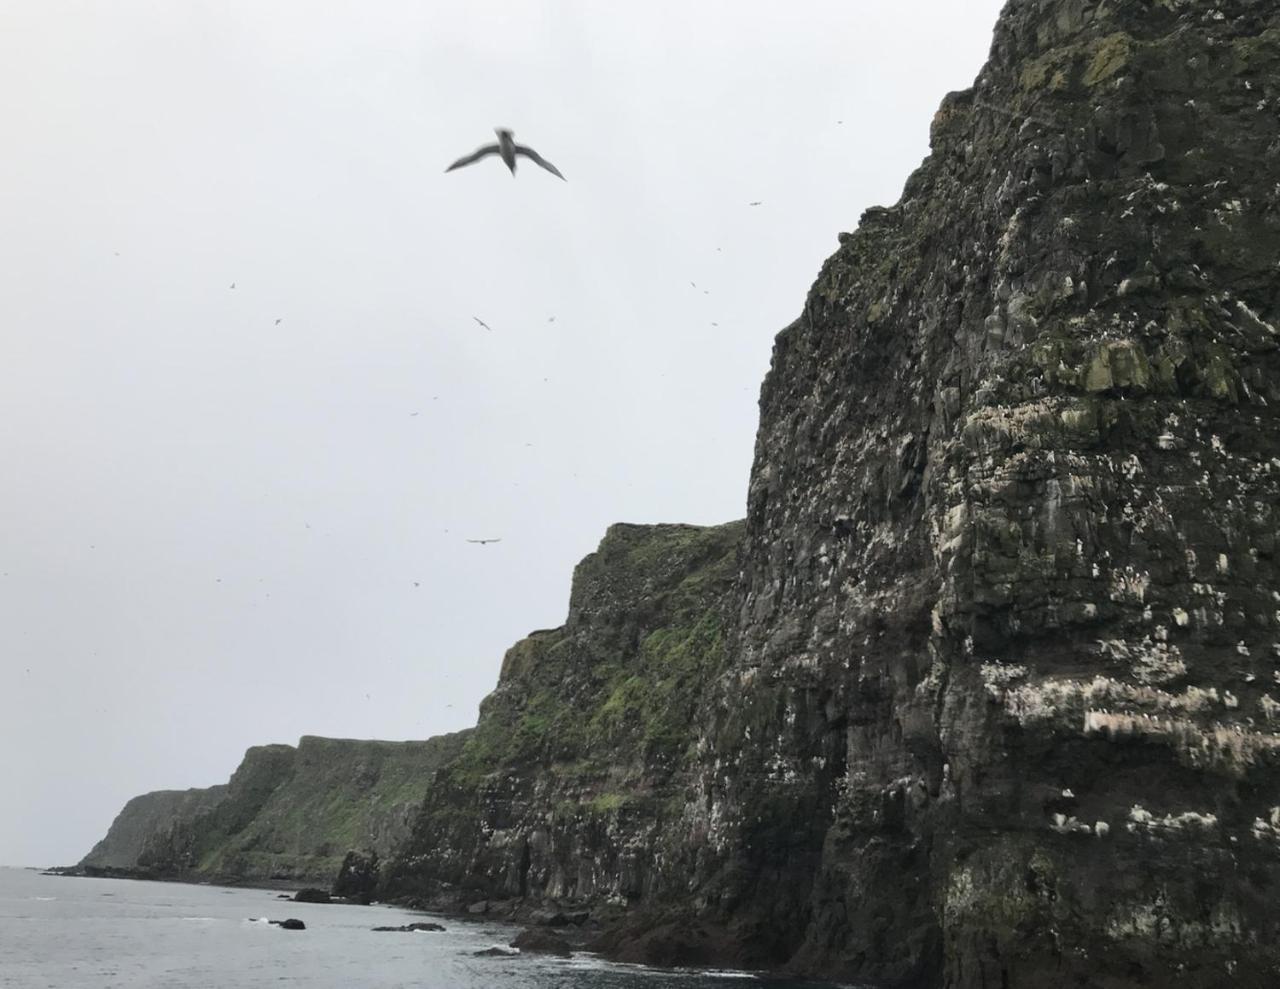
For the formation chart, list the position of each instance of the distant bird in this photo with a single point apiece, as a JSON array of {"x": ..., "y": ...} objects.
[
  {"x": 551, "y": 319},
  {"x": 416, "y": 584},
  {"x": 508, "y": 151},
  {"x": 756, "y": 203},
  {"x": 693, "y": 285},
  {"x": 412, "y": 414},
  {"x": 233, "y": 284},
  {"x": 715, "y": 324},
  {"x": 277, "y": 322},
  {"x": 482, "y": 542},
  {"x": 483, "y": 323}
]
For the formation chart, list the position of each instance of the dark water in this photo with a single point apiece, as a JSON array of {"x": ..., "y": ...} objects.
[{"x": 65, "y": 933}]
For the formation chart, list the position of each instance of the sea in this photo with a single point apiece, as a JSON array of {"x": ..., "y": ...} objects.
[{"x": 64, "y": 932}]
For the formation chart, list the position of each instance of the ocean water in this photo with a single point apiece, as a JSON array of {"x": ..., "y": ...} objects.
[{"x": 60, "y": 932}]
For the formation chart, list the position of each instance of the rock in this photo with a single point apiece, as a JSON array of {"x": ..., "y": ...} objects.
[
  {"x": 542, "y": 942},
  {"x": 417, "y": 926},
  {"x": 478, "y": 908},
  {"x": 549, "y": 918},
  {"x": 292, "y": 924},
  {"x": 358, "y": 876},
  {"x": 311, "y": 896}
]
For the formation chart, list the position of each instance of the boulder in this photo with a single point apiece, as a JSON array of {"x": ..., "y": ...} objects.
[
  {"x": 312, "y": 896},
  {"x": 292, "y": 924},
  {"x": 542, "y": 942}
]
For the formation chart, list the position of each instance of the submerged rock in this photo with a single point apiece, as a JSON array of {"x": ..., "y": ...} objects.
[
  {"x": 292, "y": 924},
  {"x": 312, "y": 896}
]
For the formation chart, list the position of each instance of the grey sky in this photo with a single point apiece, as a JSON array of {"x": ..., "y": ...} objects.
[{"x": 213, "y": 524}]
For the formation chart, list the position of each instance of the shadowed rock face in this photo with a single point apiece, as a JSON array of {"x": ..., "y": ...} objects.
[{"x": 1001, "y": 698}]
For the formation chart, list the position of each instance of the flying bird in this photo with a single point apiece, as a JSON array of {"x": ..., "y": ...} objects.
[
  {"x": 508, "y": 151},
  {"x": 756, "y": 203},
  {"x": 483, "y": 323},
  {"x": 233, "y": 284},
  {"x": 482, "y": 542},
  {"x": 277, "y": 322}
]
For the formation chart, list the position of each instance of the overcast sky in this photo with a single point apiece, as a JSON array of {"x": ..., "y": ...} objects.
[{"x": 238, "y": 515}]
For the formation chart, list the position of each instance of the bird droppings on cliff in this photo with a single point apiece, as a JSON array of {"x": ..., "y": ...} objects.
[{"x": 506, "y": 149}]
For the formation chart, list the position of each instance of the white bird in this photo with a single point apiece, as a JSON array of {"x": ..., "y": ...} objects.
[{"x": 508, "y": 151}]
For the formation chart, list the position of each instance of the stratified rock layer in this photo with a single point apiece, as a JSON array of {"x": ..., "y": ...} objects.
[{"x": 1002, "y": 697}]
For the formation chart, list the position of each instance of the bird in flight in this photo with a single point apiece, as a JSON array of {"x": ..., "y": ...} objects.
[
  {"x": 412, "y": 414},
  {"x": 483, "y": 323},
  {"x": 277, "y": 322},
  {"x": 756, "y": 203},
  {"x": 482, "y": 542},
  {"x": 508, "y": 151}
]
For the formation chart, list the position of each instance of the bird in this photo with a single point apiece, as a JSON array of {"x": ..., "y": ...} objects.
[
  {"x": 483, "y": 323},
  {"x": 233, "y": 284},
  {"x": 756, "y": 203},
  {"x": 412, "y": 414},
  {"x": 277, "y": 322},
  {"x": 551, "y": 319},
  {"x": 508, "y": 151},
  {"x": 482, "y": 542}
]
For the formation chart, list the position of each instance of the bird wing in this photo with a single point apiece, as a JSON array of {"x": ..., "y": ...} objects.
[
  {"x": 488, "y": 149},
  {"x": 483, "y": 323},
  {"x": 537, "y": 159}
]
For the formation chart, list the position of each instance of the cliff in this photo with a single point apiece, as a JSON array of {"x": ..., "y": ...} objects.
[
  {"x": 1000, "y": 709},
  {"x": 287, "y": 814},
  {"x": 582, "y": 754}
]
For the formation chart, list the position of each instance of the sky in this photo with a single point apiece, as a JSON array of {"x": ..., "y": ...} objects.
[{"x": 248, "y": 418}]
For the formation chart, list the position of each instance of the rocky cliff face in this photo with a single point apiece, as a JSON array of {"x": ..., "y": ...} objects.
[
  {"x": 1001, "y": 702},
  {"x": 580, "y": 761},
  {"x": 287, "y": 814}
]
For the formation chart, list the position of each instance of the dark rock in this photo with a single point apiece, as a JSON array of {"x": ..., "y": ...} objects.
[
  {"x": 292, "y": 924},
  {"x": 417, "y": 926},
  {"x": 312, "y": 896},
  {"x": 542, "y": 942},
  {"x": 549, "y": 918},
  {"x": 358, "y": 876}
]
